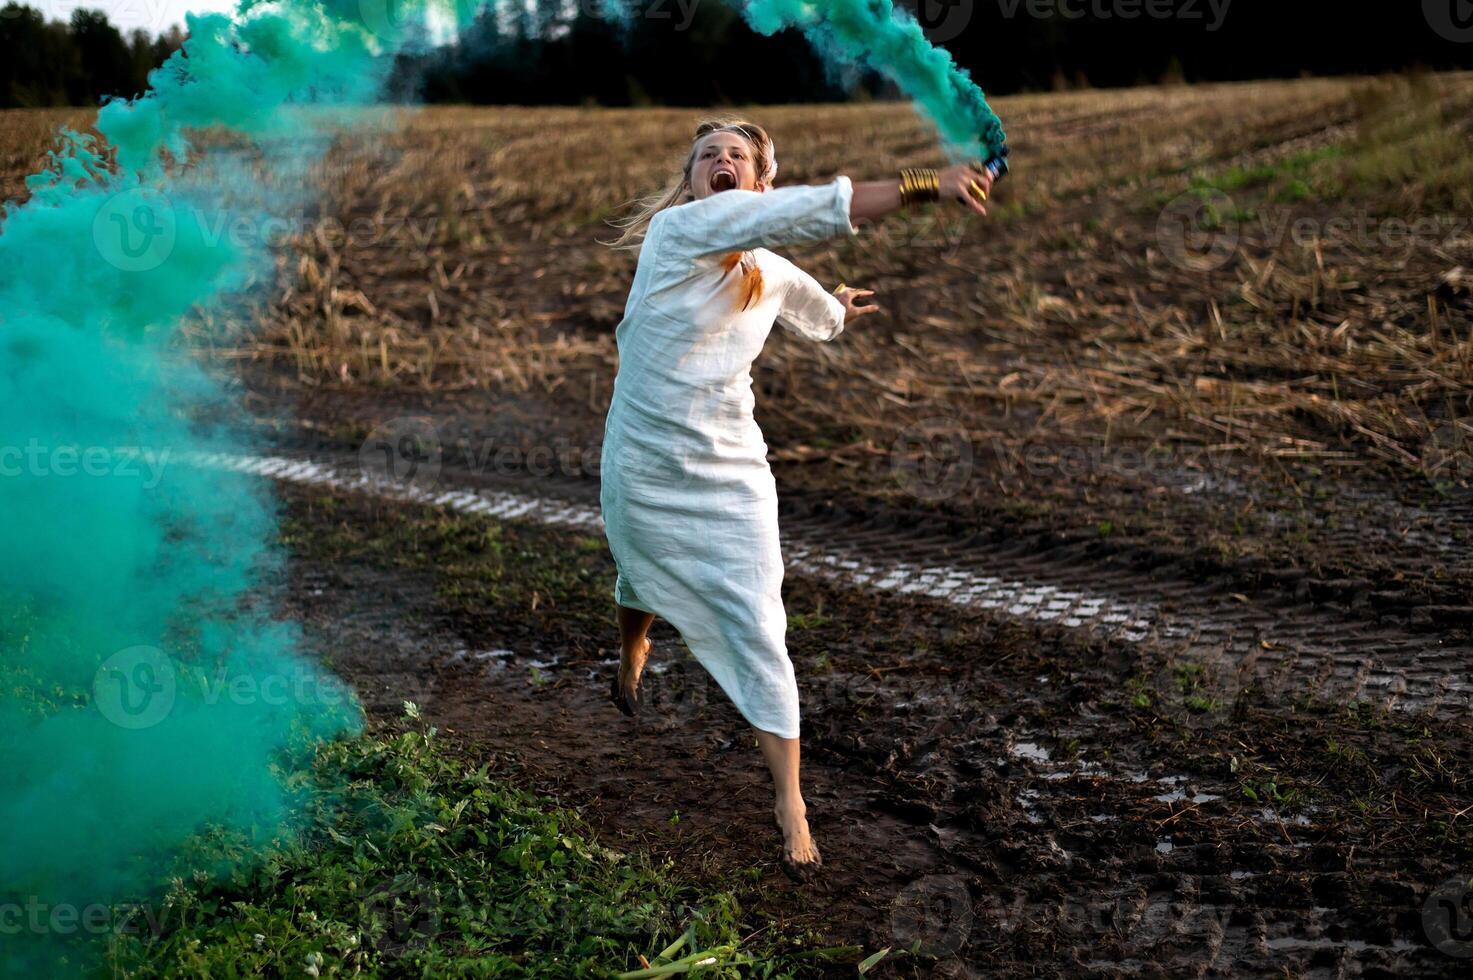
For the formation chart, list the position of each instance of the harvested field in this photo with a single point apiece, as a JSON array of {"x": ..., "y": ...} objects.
[{"x": 1130, "y": 550}]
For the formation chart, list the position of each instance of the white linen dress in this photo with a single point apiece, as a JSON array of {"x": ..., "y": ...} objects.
[{"x": 689, "y": 503}]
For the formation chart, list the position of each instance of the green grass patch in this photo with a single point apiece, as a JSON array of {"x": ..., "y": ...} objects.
[
  {"x": 415, "y": 864},
  {"x": 807, "y": 621}
]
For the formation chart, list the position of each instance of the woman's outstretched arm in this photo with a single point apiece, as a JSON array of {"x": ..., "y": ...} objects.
[
  {"x": 799, "y": 214},
  {"x": 737, "y": 220},
  {"x": 873, "y": 199}
]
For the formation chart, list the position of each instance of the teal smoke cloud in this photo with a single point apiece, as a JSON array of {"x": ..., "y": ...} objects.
[
  {"x": 147, "y": 692},
  {"x": 875, "y": 34}
]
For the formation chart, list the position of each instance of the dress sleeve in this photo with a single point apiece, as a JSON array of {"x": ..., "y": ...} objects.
[
  {"x": 737, "y": 220},
  {"x": 808, "y": 309}
]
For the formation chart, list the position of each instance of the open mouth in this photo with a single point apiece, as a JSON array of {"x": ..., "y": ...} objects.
[{"x": 723, "y": 180}]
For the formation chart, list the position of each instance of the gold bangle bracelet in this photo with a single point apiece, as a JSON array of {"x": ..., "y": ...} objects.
[{"x": 919, "y": 184}]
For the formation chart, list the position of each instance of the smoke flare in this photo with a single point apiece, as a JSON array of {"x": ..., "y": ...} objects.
[
  {"x": 147, "y": 694},
  {"x": 875, "y": 34}
]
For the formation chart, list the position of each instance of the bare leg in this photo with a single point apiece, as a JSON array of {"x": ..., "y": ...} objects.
[
  {"x": 788, "y": 808},
  {"x": 634, "y": 645}
]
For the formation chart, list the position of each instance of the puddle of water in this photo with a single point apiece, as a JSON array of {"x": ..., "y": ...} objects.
[
  {"x": 1026, "y": 799},
  {"x": 1030, "y": 751},
  {"x": 496, "y": 657},
  {"x": 1178, "y": 796},
  {"x": 1267, "y": 815},
  {"x": 1297, "y": 944}
]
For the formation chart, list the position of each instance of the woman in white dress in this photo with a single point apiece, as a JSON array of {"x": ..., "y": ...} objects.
[{"x": 689, "y": 503}]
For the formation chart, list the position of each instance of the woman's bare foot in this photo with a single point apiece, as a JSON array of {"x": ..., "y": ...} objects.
[
  {"x": 800, "y": 858},
  {"x": 626, "y": 682}
]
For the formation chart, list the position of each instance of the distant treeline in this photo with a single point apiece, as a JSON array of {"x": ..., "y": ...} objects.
[
  {"x": 74, "y": 62},
  {"x": 700, "y": 52}
]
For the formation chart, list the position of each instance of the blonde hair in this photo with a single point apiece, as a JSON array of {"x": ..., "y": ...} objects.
[{"x": 678, "y": 191}]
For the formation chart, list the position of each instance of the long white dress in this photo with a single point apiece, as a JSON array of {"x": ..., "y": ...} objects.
[{"x": 689, "y": 503}]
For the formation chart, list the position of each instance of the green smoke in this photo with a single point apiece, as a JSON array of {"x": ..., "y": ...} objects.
[
  {"x": 875, "y": 34},
  {"x": 147, "y": 693}
]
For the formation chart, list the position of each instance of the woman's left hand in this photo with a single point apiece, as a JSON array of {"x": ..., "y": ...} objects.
[{"x": 849, "y": 296}]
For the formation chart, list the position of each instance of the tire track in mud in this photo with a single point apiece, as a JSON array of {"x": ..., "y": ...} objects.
[
  {"x": 983, "y": 833},
  {"x": 1288, "y": 648}
]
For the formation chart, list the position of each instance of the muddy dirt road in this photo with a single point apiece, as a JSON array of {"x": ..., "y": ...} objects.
[{"x": 1033, "y": 778}]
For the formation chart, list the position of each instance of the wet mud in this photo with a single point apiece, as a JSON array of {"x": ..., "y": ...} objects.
[{"x": 1010, "y": 797}]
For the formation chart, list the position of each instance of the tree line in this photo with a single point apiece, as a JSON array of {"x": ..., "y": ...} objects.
[
  {"x": 74, "y": 62},
  {"x": 701, "y": 52}
]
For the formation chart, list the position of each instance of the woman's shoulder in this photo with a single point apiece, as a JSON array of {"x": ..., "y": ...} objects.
[
  {"x": 778, "y": 269},
  {"x": 771, "y": 259}
]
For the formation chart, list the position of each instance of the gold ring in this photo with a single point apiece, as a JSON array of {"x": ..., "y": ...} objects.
[{"x": 978, "y": 191}]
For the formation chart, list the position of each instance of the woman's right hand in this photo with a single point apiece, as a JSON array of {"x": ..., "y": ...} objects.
[{"x": 956, "y": 185}]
